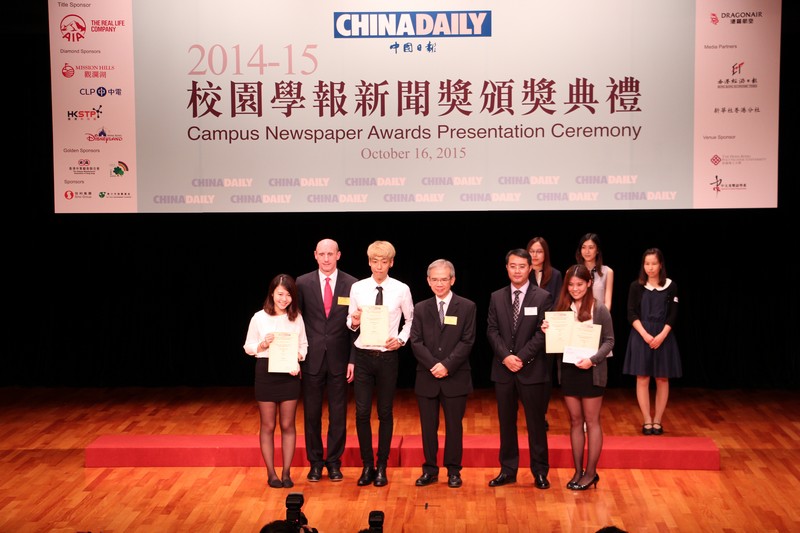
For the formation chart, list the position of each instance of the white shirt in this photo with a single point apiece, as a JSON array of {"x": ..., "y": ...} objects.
[
  {"x": 396, "y": 297},
  {"x": 262, "y": 323},
  {"x": 522, "y": 294},
  {"x": 446, "y": 301},
  {"x": 322, "y": 281}
]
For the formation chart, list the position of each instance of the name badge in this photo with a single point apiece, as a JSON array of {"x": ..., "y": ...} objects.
[
  {"x": 343, "y": 300},
  {"x": 531, "y": 311},
  {"x": 450, "y": 320}
]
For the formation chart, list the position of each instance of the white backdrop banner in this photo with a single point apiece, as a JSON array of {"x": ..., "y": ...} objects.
[{"x": 253, "y": 106}]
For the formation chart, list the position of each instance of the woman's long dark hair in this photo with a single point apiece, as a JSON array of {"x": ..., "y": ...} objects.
[
  {"x": 547, "y": 268},
  {"x": 662, "y": 273},
  {"x": 287, "y": 282},
  {"x": 565, "y": 298},
  {"x": 598, "y": 260}
]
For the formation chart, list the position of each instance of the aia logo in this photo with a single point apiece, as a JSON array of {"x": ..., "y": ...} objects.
[
  {"x": 73, "y": 28},
  {"x": 716, "y": 160},
  {"x": 714, "y": 19}
]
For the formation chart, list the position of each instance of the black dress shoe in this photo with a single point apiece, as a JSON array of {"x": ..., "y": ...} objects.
[
  {"x": 315, "y": 474},
  {"x": 380, "y": 476},
  {"x": 426, "y": 479},
  {"x": 540, "y": 481},
  {"x": 287, "y": 482},
  {"x": 503, "y": 479},
  {"x": 454, "y": 481},
  {"x": 367, "y": 476},
  {"x": 335, "y": 474}
]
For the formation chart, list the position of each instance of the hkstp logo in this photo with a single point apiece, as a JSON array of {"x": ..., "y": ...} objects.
[{"x": 73, "y": 28}]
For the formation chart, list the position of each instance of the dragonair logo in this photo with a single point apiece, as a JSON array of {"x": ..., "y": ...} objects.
[{"x": 360, "y": 25}]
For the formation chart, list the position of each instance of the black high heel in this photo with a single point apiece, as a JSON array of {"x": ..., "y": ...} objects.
[
  {"x": 594, "y": 481},
  {"x": 573, "y": 482}
]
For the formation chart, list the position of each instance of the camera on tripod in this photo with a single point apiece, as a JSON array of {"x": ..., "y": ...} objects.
[
  {"x": 376, "y": 521},
  {"x": 294, "y": 515}
]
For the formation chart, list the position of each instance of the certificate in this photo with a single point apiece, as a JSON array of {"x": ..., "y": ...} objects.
[
  {"x": 559, "y": 326},
  {"x": 374, "y": 326},
  {"x": 283, "y": 352},
  {"x": 583, "y": 342}
]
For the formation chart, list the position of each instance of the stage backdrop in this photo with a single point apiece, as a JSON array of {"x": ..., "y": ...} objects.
[{"x": 251, "y": 106}]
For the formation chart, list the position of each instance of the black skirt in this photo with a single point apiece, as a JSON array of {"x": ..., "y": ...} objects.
[
  {"x": 274, "y": 386},
  {"x": 578, "y": 382}
]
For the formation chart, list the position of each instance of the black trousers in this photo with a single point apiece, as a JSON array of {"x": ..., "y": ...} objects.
[{"x": 375, "y": 374}]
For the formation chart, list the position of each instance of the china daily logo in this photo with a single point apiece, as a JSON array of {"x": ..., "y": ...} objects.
[{"x": 366, "y": 25}]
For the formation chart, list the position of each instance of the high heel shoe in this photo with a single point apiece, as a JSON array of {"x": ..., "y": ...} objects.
[
  {"x": 573, "y": 482},
  {"x": 595, "y": 479}
]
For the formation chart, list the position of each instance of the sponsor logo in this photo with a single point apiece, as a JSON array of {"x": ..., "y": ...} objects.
[
  {"x": 73, "y": 29},
  {"x": 736, "y": 17},
  {"x": 719, "y": 185},
  {"x": 391, "y": 24}
]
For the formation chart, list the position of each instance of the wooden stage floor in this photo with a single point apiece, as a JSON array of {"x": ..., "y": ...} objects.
[{"x": 45, "y": 487}]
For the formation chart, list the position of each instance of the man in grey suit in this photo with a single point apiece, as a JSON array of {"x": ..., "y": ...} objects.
[
  {"x": 442, "y": 336},
  {"x": 520, "y": 369},
  {"x": 324, "y": 298}
]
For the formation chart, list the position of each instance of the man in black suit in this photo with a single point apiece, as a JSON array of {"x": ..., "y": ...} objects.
[
  {"x": 520, "y": 369},
  {"x": 442, "y": 336},
  {"x": 324, "y": 297}
]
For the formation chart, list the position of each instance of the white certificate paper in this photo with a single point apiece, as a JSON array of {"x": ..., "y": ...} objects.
[
  {"x": 583, "y": 342},
  {"x": 374, "y": 326},
  {"x": 283, "y": 352},
  {"x": 559, "y": 326}
]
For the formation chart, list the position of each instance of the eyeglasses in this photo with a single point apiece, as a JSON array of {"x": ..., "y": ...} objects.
[{"x": 439, "y": 280}]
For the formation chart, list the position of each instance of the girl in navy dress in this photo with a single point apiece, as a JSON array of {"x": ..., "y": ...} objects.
[{"x": 652, "y": 349}]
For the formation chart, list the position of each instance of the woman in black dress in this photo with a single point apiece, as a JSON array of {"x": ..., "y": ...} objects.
[
  {"x": 583, "y": 382},
  {"x": 652, "y": 350},
  {"x": 277, "y": 391}
]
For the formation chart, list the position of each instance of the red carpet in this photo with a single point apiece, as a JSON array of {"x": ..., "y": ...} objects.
[{"x": 674, "y": 453}]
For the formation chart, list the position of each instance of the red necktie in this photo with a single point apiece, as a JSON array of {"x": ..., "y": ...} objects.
[{"x": 328, "y": 301}]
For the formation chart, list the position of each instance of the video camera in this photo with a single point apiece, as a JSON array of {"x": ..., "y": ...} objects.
[
  {"x": 376, "y": 521},
  {"x": 294, "y": 516}
]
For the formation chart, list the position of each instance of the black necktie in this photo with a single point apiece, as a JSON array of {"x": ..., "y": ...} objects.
[
  {"x": 516, "y": 307},
  {"x": 379, "y": 296}
]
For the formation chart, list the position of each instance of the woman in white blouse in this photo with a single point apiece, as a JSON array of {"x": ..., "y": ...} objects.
[{"x": 277, "y": 382}]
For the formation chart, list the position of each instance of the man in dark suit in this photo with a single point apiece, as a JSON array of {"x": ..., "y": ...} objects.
[
  {"x": 520, "y": 369},
  {"x": 324, "y": 297},
  {"x": 442, "y": 336}
]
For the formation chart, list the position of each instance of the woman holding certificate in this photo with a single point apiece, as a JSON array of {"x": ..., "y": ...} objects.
[
  {"x": 587, "y": 341},
  {"x": 277, "y": 339}
]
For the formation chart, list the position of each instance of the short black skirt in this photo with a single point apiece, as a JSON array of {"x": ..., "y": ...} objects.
[
  {"x": 578, "y": 382},
  {"x": 274, "y": 387}
]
